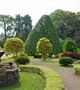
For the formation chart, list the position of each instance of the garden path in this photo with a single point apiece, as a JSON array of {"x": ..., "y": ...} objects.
[{"x": 70, "y": 80}]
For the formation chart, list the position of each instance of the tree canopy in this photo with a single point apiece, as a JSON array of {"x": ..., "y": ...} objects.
[
  {"x": 18, "y": 26},
  {"x": 6, "y": 22},
  {"x": 65, "y": 23},
  {"x": 13, "y": 46},
  {"x": 44, "y": 47},
  {"x": 23, "y": 26},
  {"x": 70, "y": 45}
]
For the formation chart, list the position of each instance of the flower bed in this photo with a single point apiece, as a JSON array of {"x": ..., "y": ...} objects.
[{"x": 53, "y": 80}]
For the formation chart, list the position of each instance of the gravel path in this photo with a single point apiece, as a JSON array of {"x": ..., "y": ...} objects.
[{"x": 70, "y": 80}]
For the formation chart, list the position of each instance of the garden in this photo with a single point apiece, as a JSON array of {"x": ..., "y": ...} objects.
[
  {"x": 33, "y": 77},
  {"x": 47, "y": 60},
  {"x": 17, "y": 71}
]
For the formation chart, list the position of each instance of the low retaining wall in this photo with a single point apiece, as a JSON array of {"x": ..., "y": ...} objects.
[{"x": 9, "y": 76}]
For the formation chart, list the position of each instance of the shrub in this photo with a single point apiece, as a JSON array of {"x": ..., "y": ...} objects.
[
  {"x": 65, "y": 61},
  {"x": 22, "y": 59},
  {"x": 53, "y": 80},
  {"x": 56, "y": 56},
  {"x": 74, "y": 55},
  {"x": 70, "y": 45},
  {"x": 37, "y": 56},
  {"x": 77, "y": 69}
]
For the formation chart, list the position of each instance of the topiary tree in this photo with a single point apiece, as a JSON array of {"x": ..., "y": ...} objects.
[
  {"x": 65, "y": 61},
  {"x": 22, "y": 59},
  {"x": 70, "y": 45},
  {"x": 44, "y": 47},
  {"x": 13, "y": 46},
  {"x": 43, "y": 28}
]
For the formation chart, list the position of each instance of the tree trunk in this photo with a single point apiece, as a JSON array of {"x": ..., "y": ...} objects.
[
  {"x": 4, "y": 35},
  {"x": 4, "y": 27},
  {"x": 44, "y": 59}
]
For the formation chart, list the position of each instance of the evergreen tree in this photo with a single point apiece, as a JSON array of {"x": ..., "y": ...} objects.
[
  {"x": 43, "y": 28},
  {"x": 23, "y": 26}
]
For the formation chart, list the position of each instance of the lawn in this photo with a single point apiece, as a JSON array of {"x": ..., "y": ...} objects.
[
  {"x": 52, "y": 61},
  {"x": 28, "y": 81}
]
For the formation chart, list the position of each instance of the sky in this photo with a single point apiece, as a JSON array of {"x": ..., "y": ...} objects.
[{"x": 36, "y": 8}]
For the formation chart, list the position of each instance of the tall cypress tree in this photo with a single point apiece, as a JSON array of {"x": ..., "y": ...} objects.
[{"x": 43, "y": 28}]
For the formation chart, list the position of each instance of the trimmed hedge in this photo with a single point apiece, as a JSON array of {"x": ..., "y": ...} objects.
[
  {"x": 77, "y": 69},
  {"x": 74, "y": 55},
  {"x": 53, "y": 80},
  {"x": 65, "y": 61},
  {"x": 22, "y": 59}
]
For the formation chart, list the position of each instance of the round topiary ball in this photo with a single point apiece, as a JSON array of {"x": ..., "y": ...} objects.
[
  {"x": 65, "y": 61},
  {"x": 22, "y": 59}
]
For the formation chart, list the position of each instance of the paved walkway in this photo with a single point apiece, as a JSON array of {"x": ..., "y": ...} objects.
[{"x": 70, "y": 80}]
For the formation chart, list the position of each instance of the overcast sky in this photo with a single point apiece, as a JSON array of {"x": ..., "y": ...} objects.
[{"x": 37, "y": 8}]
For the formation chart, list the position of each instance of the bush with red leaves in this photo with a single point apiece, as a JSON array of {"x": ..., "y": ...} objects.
[{"x": 74, "y": 55}]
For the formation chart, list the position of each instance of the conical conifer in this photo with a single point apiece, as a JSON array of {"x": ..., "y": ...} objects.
[{"x": 43, "y": 28}]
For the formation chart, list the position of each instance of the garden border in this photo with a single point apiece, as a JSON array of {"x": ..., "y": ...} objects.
[
  {"x": 77, "y": 69},
  {"x": 53, "y": 79}
]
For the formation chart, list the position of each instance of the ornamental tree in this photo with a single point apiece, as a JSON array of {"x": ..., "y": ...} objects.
[
  {"x": 43, "y": 28},
  {"x": 44, "y": 47},
  {"x": 13, "y": 46}
]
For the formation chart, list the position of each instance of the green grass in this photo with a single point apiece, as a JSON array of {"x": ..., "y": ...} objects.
[
  {"x": 6, "y": 57},
  {"x": 28, "y": 81},
  {"x": 53, "y": 79},
  {"x": 51, "y": 61},
  {"x": 54, "y": 62}
]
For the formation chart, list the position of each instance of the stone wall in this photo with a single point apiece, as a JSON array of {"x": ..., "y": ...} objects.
[{"x": 9, "y": 77}]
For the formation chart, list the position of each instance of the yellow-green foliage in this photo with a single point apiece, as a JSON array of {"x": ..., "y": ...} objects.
[
  {"x": 77, "y": 69},
  {"x": 53, "y": 80},
  {"x": 13, "y": 45},
  {"x": 44, "y": 46}
]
